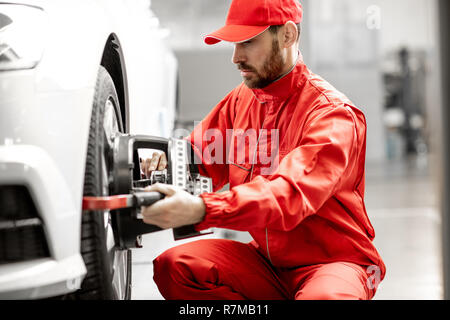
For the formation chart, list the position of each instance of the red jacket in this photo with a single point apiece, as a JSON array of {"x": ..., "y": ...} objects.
[{"x": 310, "y": 210}]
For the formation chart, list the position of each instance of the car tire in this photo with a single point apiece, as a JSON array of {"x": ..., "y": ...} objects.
[{"x": 108, "y": 268}]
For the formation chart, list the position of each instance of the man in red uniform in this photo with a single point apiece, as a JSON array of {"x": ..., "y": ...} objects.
[{"x": 304, "y": 208}]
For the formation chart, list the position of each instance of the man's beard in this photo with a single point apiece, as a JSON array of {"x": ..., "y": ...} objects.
[{"x": 271, "y": 70}]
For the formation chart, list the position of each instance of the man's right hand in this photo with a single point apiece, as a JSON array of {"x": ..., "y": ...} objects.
[{"x": 157, "y": 162}]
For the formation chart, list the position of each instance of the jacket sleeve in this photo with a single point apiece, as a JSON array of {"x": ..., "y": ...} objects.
[
  {"x": 305, "y": 179},
  {"x": 208, "y": 140}
]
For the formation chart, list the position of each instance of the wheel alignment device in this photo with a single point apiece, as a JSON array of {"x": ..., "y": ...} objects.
[{"x": 127, "y": 187}]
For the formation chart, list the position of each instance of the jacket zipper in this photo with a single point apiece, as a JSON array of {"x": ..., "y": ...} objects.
[{"x": 251, "y": 176}]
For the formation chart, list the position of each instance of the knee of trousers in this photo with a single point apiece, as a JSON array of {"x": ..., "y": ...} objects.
[
  {"x": 164, "y": 266},
  {"x": 178, "y": 266}
]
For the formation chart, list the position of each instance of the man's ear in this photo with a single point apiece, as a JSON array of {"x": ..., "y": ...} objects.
[{"x": 290, "y": 35}]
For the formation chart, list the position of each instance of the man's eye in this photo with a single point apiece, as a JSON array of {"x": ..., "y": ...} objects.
[{"x": 247, "y": 42}]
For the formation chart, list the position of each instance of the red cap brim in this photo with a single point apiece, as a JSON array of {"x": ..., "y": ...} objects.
[{"x": 234, "y": 33}]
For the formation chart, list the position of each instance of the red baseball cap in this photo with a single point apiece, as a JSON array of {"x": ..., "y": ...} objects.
[{"x": 248, "y": 18}]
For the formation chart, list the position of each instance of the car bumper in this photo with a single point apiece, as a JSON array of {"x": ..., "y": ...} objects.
[
  {"x": 41, "y": 278},
  {"x": 43, "y": 141}
]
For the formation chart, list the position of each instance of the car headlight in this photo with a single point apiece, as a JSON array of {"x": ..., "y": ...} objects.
[{"x": 22, "y": 30}]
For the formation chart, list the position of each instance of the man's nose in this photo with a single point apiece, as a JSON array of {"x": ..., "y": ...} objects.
[{"x": 238, "y": 54}]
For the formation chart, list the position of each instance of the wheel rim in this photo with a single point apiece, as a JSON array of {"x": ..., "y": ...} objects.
[{"x": 119, "y": 258}]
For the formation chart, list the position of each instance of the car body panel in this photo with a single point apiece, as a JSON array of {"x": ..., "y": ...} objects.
[{"x": 45, "y": 114}]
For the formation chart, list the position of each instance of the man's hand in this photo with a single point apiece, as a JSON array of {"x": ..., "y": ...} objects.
[
  {"x": 178, "y": 208},
  {"x": 157, "y": 162}
]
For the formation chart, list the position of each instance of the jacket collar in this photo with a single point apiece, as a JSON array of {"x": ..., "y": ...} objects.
[{"x": 284, "y": 86}]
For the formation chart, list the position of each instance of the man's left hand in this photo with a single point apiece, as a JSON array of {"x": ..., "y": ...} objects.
[{"x": 178, "y": 208}]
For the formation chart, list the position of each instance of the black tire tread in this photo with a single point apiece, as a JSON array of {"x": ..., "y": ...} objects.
[{"x": 92, "y": 235}]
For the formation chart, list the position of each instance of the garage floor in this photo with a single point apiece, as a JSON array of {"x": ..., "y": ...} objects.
[{"x": 401, "y": 201}]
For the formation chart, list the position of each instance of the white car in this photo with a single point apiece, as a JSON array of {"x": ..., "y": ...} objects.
[{"x": 72, "y": 73}]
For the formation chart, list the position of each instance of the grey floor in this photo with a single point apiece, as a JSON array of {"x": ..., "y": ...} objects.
[{"x": 401, "y": 202}]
